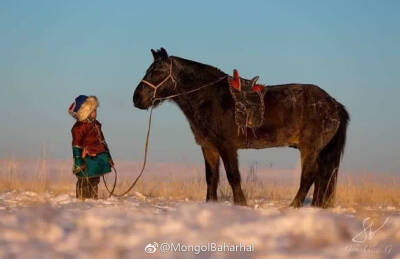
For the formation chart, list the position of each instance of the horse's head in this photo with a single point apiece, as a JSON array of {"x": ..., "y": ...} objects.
[{"x": 158, "y": 81}]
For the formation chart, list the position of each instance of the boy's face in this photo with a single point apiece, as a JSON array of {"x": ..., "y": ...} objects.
[{"x": 93, "y": 115}]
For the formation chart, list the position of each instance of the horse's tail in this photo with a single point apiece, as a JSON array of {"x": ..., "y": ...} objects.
[{"x": 329, "y": 160}]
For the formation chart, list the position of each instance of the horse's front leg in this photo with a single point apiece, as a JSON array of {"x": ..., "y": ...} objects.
[
  {"x": 229, "y": 157},
  {"x": 211, "y": 158}
]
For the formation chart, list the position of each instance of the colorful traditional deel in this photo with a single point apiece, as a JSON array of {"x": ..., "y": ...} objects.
[
  {"x": 90, "y": 152},
  {"x": 95, "y": 161}
]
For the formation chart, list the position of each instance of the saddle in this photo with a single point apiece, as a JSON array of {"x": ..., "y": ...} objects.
[{"x": 249, "y": 101}]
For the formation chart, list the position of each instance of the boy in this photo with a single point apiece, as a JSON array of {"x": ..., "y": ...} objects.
[{"x": 91, "y": 155}]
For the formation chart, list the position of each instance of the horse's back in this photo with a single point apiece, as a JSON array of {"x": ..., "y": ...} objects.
[{"x": 299, "y": 114}]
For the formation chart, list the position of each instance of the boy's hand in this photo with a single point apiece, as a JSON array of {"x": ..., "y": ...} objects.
[{"x": 78, "y": 169}]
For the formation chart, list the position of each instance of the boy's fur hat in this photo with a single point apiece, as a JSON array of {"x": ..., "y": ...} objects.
[{"x": 83, "y": 107}]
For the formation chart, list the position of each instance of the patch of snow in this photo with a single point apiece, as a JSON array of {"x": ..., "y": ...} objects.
[{"x": 63, "y": 227}]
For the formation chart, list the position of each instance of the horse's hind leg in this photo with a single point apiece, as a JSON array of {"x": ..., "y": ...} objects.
[
  {"x": 325, "y": 183},
  {"x": 324, "y": 188},
  {"x": 309, "y": 171},
  {"x": 211, "y": 158},
  {"x": 229, "y": 157},
  {"x": 319, "y": 186}
]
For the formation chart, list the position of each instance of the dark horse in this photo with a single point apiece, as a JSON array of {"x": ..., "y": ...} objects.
[{"x": 301, "y": 116}]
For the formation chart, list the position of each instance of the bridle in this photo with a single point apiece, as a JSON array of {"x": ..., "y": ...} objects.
[
  {"x": 171, "y": 76},
  {"x": 155, "y": 87}
]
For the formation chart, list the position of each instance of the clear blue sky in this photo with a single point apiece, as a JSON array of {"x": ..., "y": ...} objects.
[{"x": 52, "y": 51}]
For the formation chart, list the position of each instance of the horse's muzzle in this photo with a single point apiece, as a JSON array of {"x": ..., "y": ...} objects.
[{"x": 142, "y": 97}]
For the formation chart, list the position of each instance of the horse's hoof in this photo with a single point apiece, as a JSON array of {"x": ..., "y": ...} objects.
[
  {"x": 295, "y": 204},
  {"x": 211, "y": 200},
  {"x": 240, "y": 203}
]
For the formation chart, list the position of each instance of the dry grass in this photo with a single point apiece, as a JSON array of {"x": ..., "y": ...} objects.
[{"x": 366, "y": 192}]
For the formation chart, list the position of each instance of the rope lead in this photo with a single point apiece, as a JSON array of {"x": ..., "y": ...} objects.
[{"x": 146, "y": 146}]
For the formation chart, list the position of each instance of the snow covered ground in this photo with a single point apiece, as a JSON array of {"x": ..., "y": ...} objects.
[{"x": 51, "y": 226}]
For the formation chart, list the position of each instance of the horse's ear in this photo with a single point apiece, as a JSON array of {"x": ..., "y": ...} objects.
[
  {"x": 163, "y": 53},
  {"x": 154, "y": 54}
]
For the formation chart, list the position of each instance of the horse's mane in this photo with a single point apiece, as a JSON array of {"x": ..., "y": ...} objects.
[{"x": 201, "y": 66}]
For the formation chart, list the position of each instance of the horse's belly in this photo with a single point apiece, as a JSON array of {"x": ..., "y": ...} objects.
[{"x": 262, "y": 138}]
